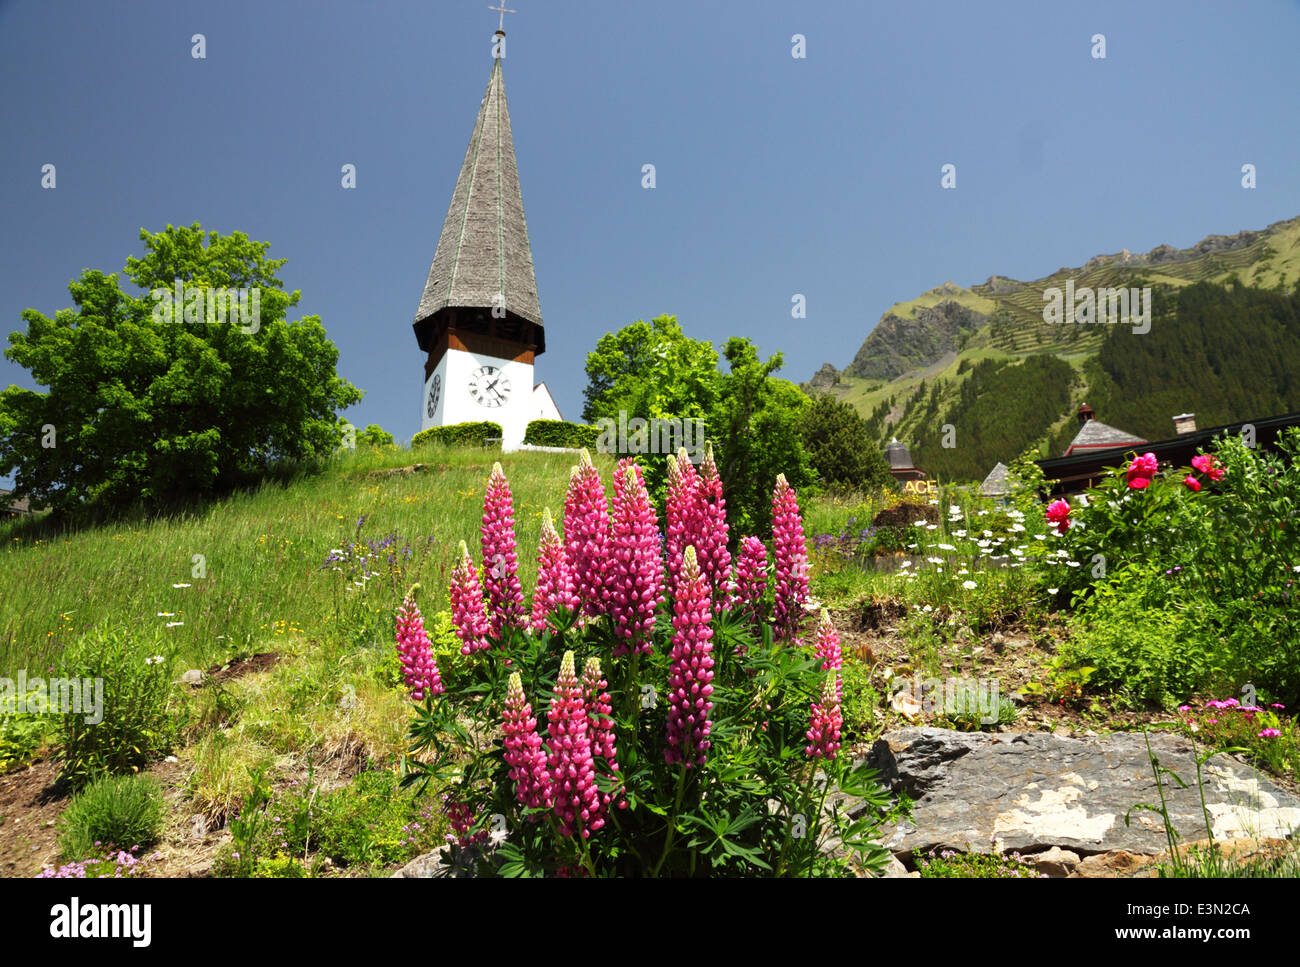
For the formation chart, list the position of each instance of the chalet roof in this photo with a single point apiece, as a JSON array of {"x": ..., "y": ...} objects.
[
  {"x": 996, "y": 483},
  {"x": 898, "y": 455},
  {"x": 1095, "y": 434},
  {"x": 483, "y": 249}
]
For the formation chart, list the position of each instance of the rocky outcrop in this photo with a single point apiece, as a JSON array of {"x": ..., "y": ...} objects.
[
  {"x": 898, "y": 345},
  {"x": 1031, "y": 792},
  {"x": 823, "y": 380}
]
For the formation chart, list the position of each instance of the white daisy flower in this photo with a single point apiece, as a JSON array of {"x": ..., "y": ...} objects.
[
  {"x": 180, "y": 585},
  {"x": 1052, "y": 590},
  {"x": 969, "y": 585}
]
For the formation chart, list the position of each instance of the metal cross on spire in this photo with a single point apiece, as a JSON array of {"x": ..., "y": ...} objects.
[{"x": 503, "y": 10}]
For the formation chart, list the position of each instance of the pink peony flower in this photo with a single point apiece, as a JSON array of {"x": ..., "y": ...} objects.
[
  {"x": 555, "y": 587},
  {"x": 523, "y": 749},
  {"x": 633, "y": 578},
  {"x": 1141, "y": 470},
  {"x": 825, "y": 721},
  {"x": 690, "y": 675},
  {"x": 1192, "y": 483},
  {"x": 572, "y": 772},
  {"x": 505, "y": 595},
  {"x": 1209, "y": 466},
  {"x": 419, "y": 668},
  {"x": 467, "y": 611},
  {"x": 791, "y": 553},
  {"x": 586, "y": 532},
  {"x": 1058, "y": 513}
]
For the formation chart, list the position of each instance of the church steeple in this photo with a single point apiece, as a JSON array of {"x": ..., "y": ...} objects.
[
  {"x": 479, "y": 322},
  {"x": 483, "y": 260}
]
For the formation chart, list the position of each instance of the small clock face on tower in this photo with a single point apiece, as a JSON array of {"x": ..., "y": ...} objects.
[
  {"x": 489, "y": 386},
  {"x": 435, "y": 392}
]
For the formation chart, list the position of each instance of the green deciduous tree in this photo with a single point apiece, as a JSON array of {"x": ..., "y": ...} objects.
[
  {"x": 755, "y": 429},
  {"x": 375, "y": 436},
  {"x": 651, "y": 370},
  {"x": 654, "y": 370},
  {"x": 144, "y": 410}
]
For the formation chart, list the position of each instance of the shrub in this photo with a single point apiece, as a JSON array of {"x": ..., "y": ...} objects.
[
  {"x": 20, "y": 737},
  {"x": 1138, "y": 648},
  {"x": 139, "y": 723},
  {"x": 559, "y": 433},
  {"x": 460, "y": 435},
  {"x": 1221, "y": 554},
  {"x": 124, "y": 811},
  {"x": 374, "y": 823}
]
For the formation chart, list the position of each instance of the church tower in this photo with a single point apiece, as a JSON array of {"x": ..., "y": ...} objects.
[{"x": 479, "y": 322}]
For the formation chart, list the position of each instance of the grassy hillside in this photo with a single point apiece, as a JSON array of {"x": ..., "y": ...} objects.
[{"x": 264, "y": 555}]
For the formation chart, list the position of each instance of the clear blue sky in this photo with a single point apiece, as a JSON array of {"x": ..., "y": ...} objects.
[{"x": 775, "y": 175}]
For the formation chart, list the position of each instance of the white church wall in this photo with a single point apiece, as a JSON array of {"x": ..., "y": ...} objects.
[{"x": 458, "y": 371}]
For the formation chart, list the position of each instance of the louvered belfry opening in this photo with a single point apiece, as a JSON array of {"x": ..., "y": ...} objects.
[{"x": 483, "y": 259}]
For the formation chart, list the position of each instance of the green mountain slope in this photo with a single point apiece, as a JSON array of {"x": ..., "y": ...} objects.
[{"x": 983, "y": 362}]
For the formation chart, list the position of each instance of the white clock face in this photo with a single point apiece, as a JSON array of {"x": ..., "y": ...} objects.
[
  {"x": 435, "y": 392},
  {"x": 489, "y": 386}
]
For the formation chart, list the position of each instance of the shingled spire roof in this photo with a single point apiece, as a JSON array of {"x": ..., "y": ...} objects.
[{"x": 483, "y": 249}]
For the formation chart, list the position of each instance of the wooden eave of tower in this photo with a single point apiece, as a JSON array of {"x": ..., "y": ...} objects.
[{"x": 483, "y": 258}]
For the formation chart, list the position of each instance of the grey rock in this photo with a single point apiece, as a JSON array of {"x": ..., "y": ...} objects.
[
  {"x": 438, "y": 864},
  {"x": 1030, "y": 792},
  {"x": 193, "y": 677}
]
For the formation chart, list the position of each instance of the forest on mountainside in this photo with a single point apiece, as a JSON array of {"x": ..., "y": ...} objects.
[
  {"x": 1001, "y": 406},
  {"x": 1225, "y": 352}
]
